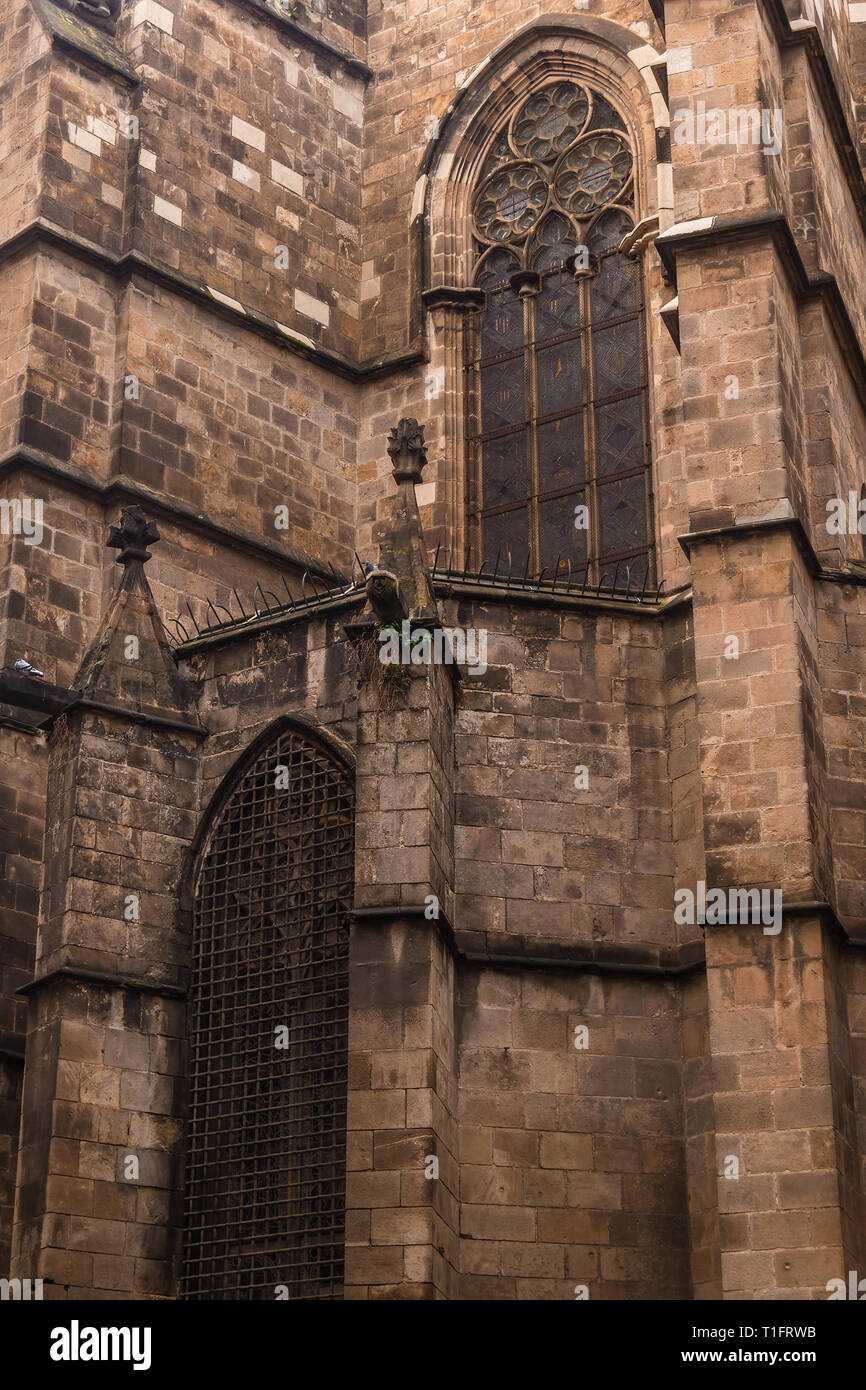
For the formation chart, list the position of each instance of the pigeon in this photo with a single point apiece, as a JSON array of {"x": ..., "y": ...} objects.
[{"x": 25, "y": 669}]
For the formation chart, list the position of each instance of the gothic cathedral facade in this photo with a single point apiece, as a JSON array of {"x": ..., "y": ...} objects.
[{"x": 433, "y": 624}]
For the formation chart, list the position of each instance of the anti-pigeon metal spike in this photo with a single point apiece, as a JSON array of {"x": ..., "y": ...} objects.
[
  {"x": 192, "y": 615},
  {"x": 258, "y": 590},
  {"x": 496, "y": 566},
  {"x": 556, "y": 572},
  {"x": 525, "y": 579},
  {"x": 240, "y": 605},
  {"x": 218, "y": 622},
  {"x": 643, "y": 586},
  {"x": 436, "y": 557},
  {"x": 615, "y": 573}
]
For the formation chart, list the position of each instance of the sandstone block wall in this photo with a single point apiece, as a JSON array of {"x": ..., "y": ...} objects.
[{"x": 152, "y": 346}]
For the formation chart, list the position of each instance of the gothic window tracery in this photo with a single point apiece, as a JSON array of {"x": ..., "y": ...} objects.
[{"x": 557, "y": 417}]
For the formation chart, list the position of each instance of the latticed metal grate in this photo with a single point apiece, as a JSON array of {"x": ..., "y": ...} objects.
[{"x": 267, "y": 1123}]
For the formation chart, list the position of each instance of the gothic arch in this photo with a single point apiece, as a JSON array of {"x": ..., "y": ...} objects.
[
  {"x": 270, "y": 884},
  {"x": 588, "y": 50}
]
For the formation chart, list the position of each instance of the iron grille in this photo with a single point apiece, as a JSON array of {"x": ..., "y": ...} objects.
[{"x": 267, "y": 1124}]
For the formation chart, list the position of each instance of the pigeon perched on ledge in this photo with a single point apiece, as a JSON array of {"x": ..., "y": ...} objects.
[{"x": 23, "y": 668}]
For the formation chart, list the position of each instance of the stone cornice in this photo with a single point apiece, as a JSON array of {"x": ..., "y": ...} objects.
[
  {"x": 465, "y": 300},
  {"x": 773, "y": 225},
  {"x": 74, "y": 25},
  {"x": 77, "y": 34},
  {"x": 80, "y": 975},
  {"x": 132, "y": 263},
  {"x": 287, "y": 23},
  {"x": 808, "y": 36},
  {"x": 745, "y": 526},
  {"x": 24, "y": 459},
  {"x": 595, "y": 958},
  {"x": 535, "y": 598}
]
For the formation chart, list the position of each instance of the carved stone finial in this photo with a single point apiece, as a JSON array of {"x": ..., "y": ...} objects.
[
  {"x": 132, "y": 536},
  {"x": 102, "y": 14},
  {"x": 407, "y": 450}
]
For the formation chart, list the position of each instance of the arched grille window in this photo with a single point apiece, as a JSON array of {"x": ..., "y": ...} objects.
[
  {"x": 557, "y": 409},
  {"x": 267, "y": 1117}
]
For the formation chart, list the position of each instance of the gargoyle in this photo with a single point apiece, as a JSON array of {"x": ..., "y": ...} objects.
[{"x": 385, "y": 603}]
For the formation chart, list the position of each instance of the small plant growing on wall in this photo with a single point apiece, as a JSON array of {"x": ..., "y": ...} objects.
[{"x": 390, "y": 680}]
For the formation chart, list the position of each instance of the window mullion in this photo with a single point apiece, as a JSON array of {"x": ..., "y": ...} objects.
[
  {"x": 593, "y": 538},
  {"x": 531, "y": 364}
]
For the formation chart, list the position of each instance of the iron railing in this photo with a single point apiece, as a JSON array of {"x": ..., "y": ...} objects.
[{"x": 560, "y": 580}]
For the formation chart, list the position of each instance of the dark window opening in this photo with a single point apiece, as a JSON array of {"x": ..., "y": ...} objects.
[{"x": 265, "y": 1199}]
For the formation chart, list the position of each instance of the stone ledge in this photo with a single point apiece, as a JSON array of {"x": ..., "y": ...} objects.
[
  {"x": 133, "y": 263},
  {"x": 121, "y": 488},
  {"x": 70, "y": 32}
]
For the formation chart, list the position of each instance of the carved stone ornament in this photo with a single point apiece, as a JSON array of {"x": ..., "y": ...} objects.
[
  {"x": 132, "y": 536},
  {"x": 102, "y": 14},
  {"x": 384, "y": 597},
  {"x": 407, "y": 450}
]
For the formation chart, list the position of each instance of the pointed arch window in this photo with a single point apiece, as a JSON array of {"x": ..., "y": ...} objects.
[
  {"x": 556, "y": 359},
  {"x": 266, "y": 1141}
]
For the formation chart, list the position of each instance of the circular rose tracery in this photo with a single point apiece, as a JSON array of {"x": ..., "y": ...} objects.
[
  {"x": 592, "y": 173},
  {"x": 510, "y": 202},
  {"x": 550, "y": 121},
  {"x": 569, "y": 166}
]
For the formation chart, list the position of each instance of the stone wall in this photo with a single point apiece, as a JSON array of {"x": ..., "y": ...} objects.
[
  {"x": 572, "y": 1167},
  {"x": 563, "y": 800}
]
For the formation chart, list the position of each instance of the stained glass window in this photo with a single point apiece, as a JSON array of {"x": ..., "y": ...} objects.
[{"x": 557, "y": 399}]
